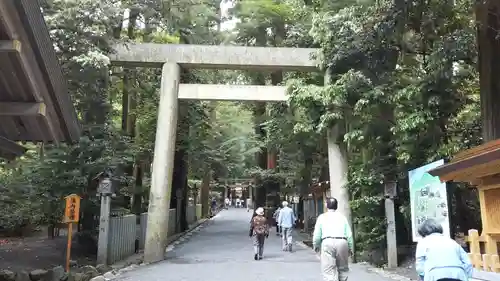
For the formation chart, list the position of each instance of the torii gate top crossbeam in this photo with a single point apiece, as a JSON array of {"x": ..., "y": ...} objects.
[
  {"x": 215, "y": 57},
  {"x": 232, "y": 92}
]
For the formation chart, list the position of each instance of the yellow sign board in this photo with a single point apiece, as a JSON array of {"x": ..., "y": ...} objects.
[{"x": 72, "y": 210}]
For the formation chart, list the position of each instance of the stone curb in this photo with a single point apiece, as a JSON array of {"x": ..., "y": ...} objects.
[
  {"x": 172, "y": 242},
  {"x": 386, "y": 274},
  {"x": 181, "y": 237},
  {"x": 83, "y": 273}
]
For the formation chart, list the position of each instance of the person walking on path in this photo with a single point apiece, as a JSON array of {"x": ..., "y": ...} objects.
[
  {"x": 259, "y": 231},
  {"x": 213, "y": 206},
  {"x": 332, "y": 234},
  {"x": 440, "y": 258},
  {"x": 275, "y": 217},
  {"x": 286, "y": 221}
]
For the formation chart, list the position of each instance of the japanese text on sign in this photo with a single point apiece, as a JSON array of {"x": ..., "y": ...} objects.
[{"x": 72, "y": 210}]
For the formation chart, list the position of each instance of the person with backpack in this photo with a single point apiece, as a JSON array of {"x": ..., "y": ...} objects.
[{"x": 259, "y": 231}]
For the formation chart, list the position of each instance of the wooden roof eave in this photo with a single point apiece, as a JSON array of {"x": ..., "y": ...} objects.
[
  {"x": 472, "y": 165},
  {"x": 31, "y": 22},
  {"x": 38, "y": 34},
  {"x": 10, "y": 150},
  {"x": 19, "y": 59}
]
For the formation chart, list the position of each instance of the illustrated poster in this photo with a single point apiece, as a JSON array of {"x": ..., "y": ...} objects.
[{"x": 428, "y": 198}]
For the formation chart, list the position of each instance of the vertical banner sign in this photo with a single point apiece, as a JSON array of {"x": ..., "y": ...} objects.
[
  {"x": 428, "y": 199},
  {"x": 72, "y": 210},
  {"x": 71, "y": 215}
]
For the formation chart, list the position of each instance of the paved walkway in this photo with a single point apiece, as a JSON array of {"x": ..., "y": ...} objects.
[{"x": 222, "y": 251}]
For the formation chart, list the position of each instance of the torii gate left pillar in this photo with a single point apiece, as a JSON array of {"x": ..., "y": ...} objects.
[{"x": 161, "y": 183}]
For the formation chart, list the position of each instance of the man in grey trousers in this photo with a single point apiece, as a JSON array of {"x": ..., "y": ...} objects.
[{"x": 332, "y": 234}]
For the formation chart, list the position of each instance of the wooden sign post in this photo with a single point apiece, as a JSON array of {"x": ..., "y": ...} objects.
[{"x": 71, "y": 215}]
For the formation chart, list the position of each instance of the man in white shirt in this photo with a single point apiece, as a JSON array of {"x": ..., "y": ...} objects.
[{"x": 333, "y": 235}]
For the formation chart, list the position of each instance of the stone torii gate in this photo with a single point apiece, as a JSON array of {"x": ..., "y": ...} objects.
[{"x": 171, "y": 58}]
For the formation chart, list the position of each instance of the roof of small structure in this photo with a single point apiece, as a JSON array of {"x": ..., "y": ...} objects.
[
  {"x": 472, "y": 165},
  {"x": 320, "y": 187},
  {"x": 34, "y": 101}
]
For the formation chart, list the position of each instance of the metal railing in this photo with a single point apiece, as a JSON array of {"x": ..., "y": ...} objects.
[{"x": 122, "y": 236}]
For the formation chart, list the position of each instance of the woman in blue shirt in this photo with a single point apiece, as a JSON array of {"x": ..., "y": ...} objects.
[{"x": 440, "y": 258}]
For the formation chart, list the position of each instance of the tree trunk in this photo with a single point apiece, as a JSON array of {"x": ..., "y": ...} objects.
[
  {"x": 272, "y": 154},
  {"x": 460, "y": 209},
  {"x": 205, "y": 192},
  {"x": 487, "y": 14},
  {"x": 207, "y": 171},
  {"x": 259, "y": 115},
  {"x": 180, "y": 175},
  {"x": 129, "y": 106},
  {"x": 95, "y": 115},
  {"x": 125, "y": 95},
  {"x": 306, "y": 171},
  {"x": 261, "y": 190},
  {"x": 178, "y": 181}
]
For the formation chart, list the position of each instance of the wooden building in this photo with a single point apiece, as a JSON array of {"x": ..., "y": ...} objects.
[
  {"x": 480, "y": 166},
  {"x": 320, "y": 191},
  {"x": 35, "y": 105}
]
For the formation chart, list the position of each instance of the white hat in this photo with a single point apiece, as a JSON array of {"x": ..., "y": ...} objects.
[
  {"x": 259, "y": 211},
  {"x": 284, "y": 203}
]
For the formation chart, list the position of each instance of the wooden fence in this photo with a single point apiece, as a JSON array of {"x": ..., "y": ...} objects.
[
  {"x": 483, "y": 251},
  {"x": 122, "y": 235}
]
